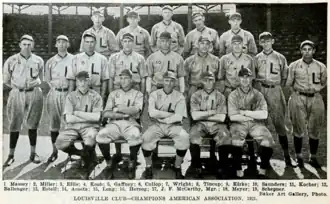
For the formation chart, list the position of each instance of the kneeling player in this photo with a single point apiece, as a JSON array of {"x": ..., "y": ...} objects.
[
  {"x": 123, "y": 109},
  {"x": 246, "y": 109},
  {"x": 208, "y": 110},
  {"x": 167, "y": 108}
]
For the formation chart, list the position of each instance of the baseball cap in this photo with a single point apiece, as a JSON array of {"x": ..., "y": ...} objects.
[
  {"x": 128, "y": 36},
  {"x": 265, "y": 35},
  {"x": 126, "y": 72},
  {"x": 166, "y": 35},
  {"x": 204, "y": 38},
  {"x": 236, "y": 14},
  {"x": 307, "y": 42},
  {"x": 62, "y": 37},
  {"x": 208, "y": 75},
  {"x": 27, "y": 37},
  {"x": 167, "y": 7},
  {"x": 132, "y": 13},
  {"x": 82, "y": 74},
  {"x": 244, "y": 72},
  {"x": 89, "y": 34},
  {"x": 98, "y": 12},
  {"x": 196, "y": 14},
  {"x": 169, "y": 74},
  {"x": 236, "y": 38}
]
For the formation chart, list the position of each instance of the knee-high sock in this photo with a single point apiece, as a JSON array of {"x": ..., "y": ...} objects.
[
  {"x": 133, "y": 152},
  {"x": 33, "y": 139},
  {"x": 105, "y": 150},
  {"x": 195, "y": 152},
  {"x": 13, "y": 142}
]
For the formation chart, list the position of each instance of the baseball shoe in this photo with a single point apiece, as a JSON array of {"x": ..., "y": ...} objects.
[
  {"x": 198, "y": 173},
  {"x": 35, "y": 158},
  {"x": 53, "y": 157},
  {"x": 300, "y": 162},
  {"x": 178, "y": 174},
  {"x": 131, "y": 170},
  {"x": 148, "y": 173},
  {"x": 287, "y": 160},
  {"x": 9, "y": 161},
  {"x": 116, "y": 158},
  {"x": 314, "y": 163}
]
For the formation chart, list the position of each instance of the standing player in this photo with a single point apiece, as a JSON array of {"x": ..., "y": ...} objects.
[
  {"x": 58, "y": 70},
  {"x": 140, "y": 35},
  {"x": 23, "y": 73},
  {"x": 247, "y": 108},
  {"x": 167, "y": 25},
  {"x": 162, "y": 61},
  {"x": 123, "y": 107},
  {"x": 106, "y": 43},
  {"x": 272, "y": 72},
  {"x": 209, "y": 109},
  {"x": 167, "y": 107},
  {"x": 307, "y": 77},
  {"x": 94, "y": 63},
  {"x": 82, "y": 114},
  {"x": 232, "y": 63},
  {"x": 225, "y": 45},
  {"x": 190, "y": 47}
]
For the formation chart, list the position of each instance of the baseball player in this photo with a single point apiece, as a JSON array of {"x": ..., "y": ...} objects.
[
  {"x": 167, "y": 108},
  {"x": 58, "y": 70},
  {"x": 307, "y": 77},
  {"x": 247, "y": 108},
  {"x": 168, "y": 25},
  {"x": 123, "y": 107},
  {"x": 82, "y": 113},
  {"x": 106, "y": 43},
  {"x": 190, "y": 47},
  {"x": 208, "y": 110},
  {"x": 225, "y": 46},
  {"x": 232, "y": 63},
  {"x": 23, "y": 73},
  {"x": 141, "y": 36},
  {"x": 272, "y": 72},
  {"x": 94, "y": 63},
  {"x": 162, "y": 61}
]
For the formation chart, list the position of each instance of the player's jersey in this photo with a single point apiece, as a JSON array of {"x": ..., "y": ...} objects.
[
  {"x": 195, "y": 65},
  {"x": 173, "y": 102},
  {"x": 238, "y": 100},
  {"x": 88, "y": 102},
  {"x": 230, "y": 66},
  {"x": 303, "y": 76},
  {"x": 158, "y": 63},
  {"x": 142, "y": 39},
  {"x": 203, "y": 101},
  {"x": 177, "y": 35},
  {"x": 22, "y": 73},
  {"x": 192, "y": 37},
  {"x": 58, "y": 70},
  {"x": 134, "y": 62},
  {"x": 249, "y": 43},
  {"x": 96, "y": 65},
  {"x": 121, "y": 98},
  {"x": 106, "y": 42},
  {"x": 272, "y": 67}
]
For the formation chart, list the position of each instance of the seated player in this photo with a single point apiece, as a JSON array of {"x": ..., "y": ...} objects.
[
  {"x": 82, "y": 113},
  {"x": 123, "y": 108},
  {"x": 167, "y": 108},
  {"x": 208, "y": 110},
  {"x": 247, "y": 108}
]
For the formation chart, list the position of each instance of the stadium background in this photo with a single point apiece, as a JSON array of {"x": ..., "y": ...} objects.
[{"x": 289, "y": 23}]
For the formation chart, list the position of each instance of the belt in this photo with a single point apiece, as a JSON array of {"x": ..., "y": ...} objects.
[
  {"x": 62, "y": 89},
  {"x": 307, "y": 94},
  {"x": 26, "y": 90},
  {"x": 268, "y": 86}
]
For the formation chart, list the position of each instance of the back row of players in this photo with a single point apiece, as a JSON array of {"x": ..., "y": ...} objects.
[{"x": 211, "y": 86}]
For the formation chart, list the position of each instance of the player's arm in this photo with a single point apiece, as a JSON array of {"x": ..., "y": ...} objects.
[
  {"x": 290, "y": 80},
  {"x": 95, "y": 116},
  {"x": 252, "y": 47},
  {"x": 154, "y": 113},
  {"x": 71, "y": 75},
  {"x": 261, "y": 112},
  {"x": 147, "y": 42},
  {"x": 233, "y": 111},
  {"x": 284, "y": 70},
  {"x": 112, "y": 43},
  {"x": 221, "y": 111},
  {"x": 221, "y": 74},
  {"x": 153, "y": 42},
  {"x": 109, "y": 112},
  {"x": 196, "y": 113},
  {"x": 323, "y": 76},
  {"x": 179, "y": 113},
  {"x": 118, "y": 38},
  {"x": 222, "y": 47},
  {"x": 7, "y": 73},
  {"x": 136, "y": 108},
  {"x": 187, "y": 46},
  {"x": 47, "y": 72},
  {"x": 181, "y": 75},
  {"x": 81, "y": 49},
  {"x": 111, "y": 69},
  {"x": 41, "y": 69},
  {"x": 181, "y": 39},
  {"x": 216, "y": 43},
  {"x": 143, "y": 74},
  {"x": 68, "y": 112},
  {"x": 150, "y": 72},
  {"x": 104, "y": 78}
]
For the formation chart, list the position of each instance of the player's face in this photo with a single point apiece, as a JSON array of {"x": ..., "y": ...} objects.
[
  {"x": 97, "y": 20},
  {"x": 127, "y": 45},
  {"x": 235, "y": 23},
  {"x": 125, "y": 82},
  {"x": 26, "y": 46},
  {"x": 267, "y": 44},
  {"x": 62, "y": 45},
  {"x": 199, "y": 21},
  {"x": 167, "y": 15},
  {"x": 89, "y": 44},
  {"x": 169, "y": 84},
  {"x": 237, "y": 47},
  {"x": 245, "y": 81},
  {"x": 82, "y": 84},
  {"x": 208, "y": 83},
  {"x": 204, "y": 46},
  {"x": 133, "y": 21},
  {"x": 164, "y": 43},
  {"x": 307, "y": 52}
]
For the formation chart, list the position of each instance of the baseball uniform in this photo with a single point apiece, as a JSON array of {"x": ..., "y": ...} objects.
[
  {"x": 76, "y": 101},
  {"x": 142, "y": 39},
  {"x": 58, "y": 70},
  {"x": 193, "y": 36},
  {"x": 134, "y": 62},
  {"x": 305, "y": 105},
  {"x": 106, "y": 43},
  {"x": 249, "y": 44},
  {"x": 158, "y": 63},
  {"x": 129, "y": 129},
  {"x": 203, "y": 101},
  {"x": 173, "y": 103},
  {"x": 177, "y": 35},
  {"x": 253, "y": 100},
  {"x": 229, "y": 68},
  {"x": 22, "y": 75},
  {"x": 96, "y": 65}
]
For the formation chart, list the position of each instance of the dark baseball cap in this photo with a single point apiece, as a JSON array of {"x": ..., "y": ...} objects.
[
  {"x": 307, "y": 42},
  {"x": 244, "y": 72},
  {"x": 233, "y": 15},
  {"x": 169, "y": 74},
  {"x": 27, "y": 37},
  {"x": 166, "y": 35},
  {"x": 82, "y": 74},
  {"x": 236, "y": 38},
  {"x": 89, "y": 34},
  {"x": 128, "y": 36},
  {"x": 208, "y": 75},
  {"x": 265, "y": 35},
  {"x": 204, "y": 38},
  {"x": 62, "y": 37},
  {"x": 126, "y": 72}
]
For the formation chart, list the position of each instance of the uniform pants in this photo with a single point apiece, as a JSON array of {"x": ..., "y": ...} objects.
[
  {"x": 54, "y": 107},
  {"x": 69, "y": 136}
]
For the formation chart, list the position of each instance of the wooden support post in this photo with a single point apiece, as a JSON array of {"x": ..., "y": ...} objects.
[
  {"x": 148, "y": 13},
  {"x": 189, "y": 17},
  {"x": 50, "y": 32},
  {"x": 121, "y": 20},
  {"x": 76, "y": 10},
  {"x": 269, "y": 18}
]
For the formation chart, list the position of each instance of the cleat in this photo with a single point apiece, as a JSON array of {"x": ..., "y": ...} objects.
[
  {"x": 117, "y": 158},
  {"x": 9, "y": 161},
  {"x": 131, "y": 170},
  {"x": 35, "y": 158},
  {"x": 178, "y": 174},
  {"x": 148, "y": 173},
  {"x": 300, "y": 162},
  {"x": 53, "y": 157},
  {"x": 314, "y": 163}
]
